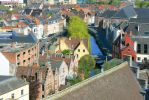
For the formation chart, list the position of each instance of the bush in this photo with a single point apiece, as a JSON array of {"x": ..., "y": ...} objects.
[{"x": 112, "y": 63}]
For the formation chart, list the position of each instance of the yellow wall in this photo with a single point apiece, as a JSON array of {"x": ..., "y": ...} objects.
[{"x": 81, "y": 53}]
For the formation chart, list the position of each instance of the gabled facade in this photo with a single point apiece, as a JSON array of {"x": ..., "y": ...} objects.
[
  {"x": 123, "y": 47},
  {"x": 78, "y": 47}
]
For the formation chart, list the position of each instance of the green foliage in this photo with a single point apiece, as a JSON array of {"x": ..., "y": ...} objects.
[
  {"x": 86, "y": 64},
  {"x": 77, "y": 28},
  {"x": 91, "y": 1},
  {"x": 67, "y": 52},
  {"x": 115, "y": 2},
  {"x": 2, "y": 7},
  {"x": 112, "y": 63},
  {"x": 74, "y": 80},
  {"x": 142, "y": 4},
  {"x": 50, "y": 14}
]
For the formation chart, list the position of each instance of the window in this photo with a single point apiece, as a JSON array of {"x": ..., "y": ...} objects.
[
  {"x": 145, "y": 59},
  {"x": 145, "y": 48},
  {"x": 18, "y": 64},
  {"x": 23, "y": 53},
  {"x": 77, "y": 56},
  {"x": 138, "y": 58},
  {"x": 29, "y": 52},
  {"x": 78, "y": 50},
  {"x": 32, "y": 49},
  {"x": 24, "y": 61},
  {"x": 42, "y": 87},
  {"x": 83, "y": 50},
  {"x": 138, "y": 48},
  {"x": 22, "y": 92},
  {"x": 18, "y": 55},
  {"x": 12, "y": 96},
  {"x": 28, "y": 59}
]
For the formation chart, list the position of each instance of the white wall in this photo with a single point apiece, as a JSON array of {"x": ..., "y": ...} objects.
[
  {"x": 63, "y": 72},
  {"x": 38, "y": 31},
  {"x": 19, "y": 1},
  {"x": 4, "y": 65},
  {"x": 17, "y": 94},
  {"x": 142, "y": 56}
]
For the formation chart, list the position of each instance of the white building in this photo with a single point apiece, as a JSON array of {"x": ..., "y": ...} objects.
[
  {"x": 56, "y": 25},
  {"x": 4, "y": 65},
  {"x": 13, "y": 88},
  {"x": 38, "y": 30}
]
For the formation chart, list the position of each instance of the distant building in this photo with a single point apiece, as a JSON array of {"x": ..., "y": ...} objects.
[
  {"x": 55, "y": 24},
  {"x": 13, "y": 88},
  {"x": 78, "y": 47},
  {"x": 21, "y": 50}
]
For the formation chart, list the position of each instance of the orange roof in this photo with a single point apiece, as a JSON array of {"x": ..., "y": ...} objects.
[{"x": 9, "y": 27}]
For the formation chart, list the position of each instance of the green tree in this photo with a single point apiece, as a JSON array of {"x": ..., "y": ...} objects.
[
  {"x": 77, "y": 28},
  {"x": 115, "y": 2},
  {"x": 66, "y": 52},
  {"x": 86, "y": 64},
  {"x": 112, "y": 63}
]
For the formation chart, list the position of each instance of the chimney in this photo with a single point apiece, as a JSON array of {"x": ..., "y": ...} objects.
[
  {"x": 69, "y": 38},
  {"x": 13, "y": 45},
  {"x": 138, "y": 28},
  {"x": 138, "y": 72},
  {"x": 130, "y": 33}
]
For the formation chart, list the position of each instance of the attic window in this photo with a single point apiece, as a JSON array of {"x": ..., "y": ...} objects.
[
  {"x": 78, "y": 50},
  {"x": 83, "y": 50}
]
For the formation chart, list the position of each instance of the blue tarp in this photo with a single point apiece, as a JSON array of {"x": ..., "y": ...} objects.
[{"x": 95, "y": 50}]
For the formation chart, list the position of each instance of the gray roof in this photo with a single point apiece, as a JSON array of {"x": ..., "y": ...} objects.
[
  {"x": 108, "y": 13},
  {"x": 143, "y": 28},
  {"x": 125, "y": 13},
  {"x": 8, "y": 84},
  {"x": 56, "y": 17},
  {"x": 139, "y": 20},
  {"x": 12, "y": 36},
  {"x": 117, "y": 83},
  {"x": 142, "y": 12},
  {"x": 55, "y": 64}
]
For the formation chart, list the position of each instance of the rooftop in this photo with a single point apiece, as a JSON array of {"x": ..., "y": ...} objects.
[
  {"x": 113, "y": 84},
  {"x": 17, "y": 48},
  {"x": 8, "y": 84}
]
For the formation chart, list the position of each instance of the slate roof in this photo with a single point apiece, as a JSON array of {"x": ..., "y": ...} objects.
[
  {"x": 139, "y": 20},
  {"x": 55, "y": 64},
  {"x": 125, "y": 13},
  {"x": 118, "y": 83},
  {"x": 143, "y": 28},
  {"x": 8, "y": 84},
  {"x": 61, "y": 57},
  {"x": 27, "y": 11},
  {"x": 14, "y": 37},
  {"x": 56, "y": 17},
  {"x": 108, "y": 13},
  {"x": 36, "y": 12},
  {"x": 142, "y": 12}
]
